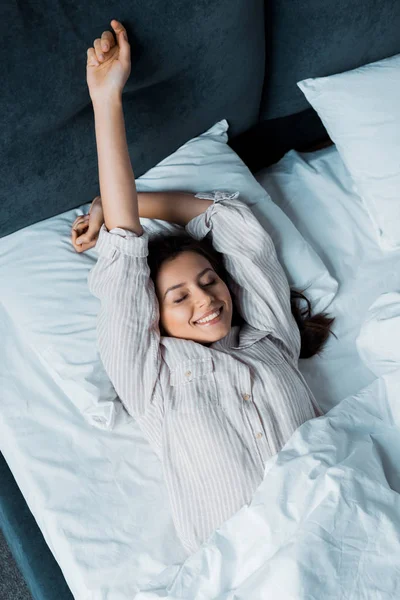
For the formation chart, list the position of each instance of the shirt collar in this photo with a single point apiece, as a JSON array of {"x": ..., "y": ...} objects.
[{"x": 240, "y": 337}]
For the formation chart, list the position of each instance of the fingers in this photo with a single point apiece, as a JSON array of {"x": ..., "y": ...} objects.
[
  {"x": 86, "y": 243},
  {"x": 74, "y": 236},
  {"x": 107, "y": 41},
  {"x": 81, "y": 219},
  {"x": 97, "y": 48},
  {"x": 91, "y": 58},
  {"x": 122, "y": 39},
  {"x": 83, "y": 247},
  {"x": 96, "y": 55},
  {"x": 83, "y": 240},
  {"x": 80, "y": 231},
  {"x": 79, "y": 228},
  {"x": 120, "y": 30}
]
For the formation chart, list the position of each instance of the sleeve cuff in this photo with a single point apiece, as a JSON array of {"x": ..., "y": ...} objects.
[
  {"x": 199, "y": 226},
  {"x": 124, "y": 240}
]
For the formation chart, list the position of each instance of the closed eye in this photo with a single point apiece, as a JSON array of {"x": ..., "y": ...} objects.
[{"x": 186, "y": 295}]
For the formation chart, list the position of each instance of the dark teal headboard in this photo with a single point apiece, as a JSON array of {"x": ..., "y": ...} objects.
[
  {"x": 311, "y": 38},
  {"x": 193, "y": 64}
]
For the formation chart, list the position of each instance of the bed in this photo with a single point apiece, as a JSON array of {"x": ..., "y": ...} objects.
[{"x": 93, "y": 521}]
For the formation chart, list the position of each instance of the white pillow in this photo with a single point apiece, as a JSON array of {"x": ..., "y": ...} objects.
[
  {"x": 360, "y": 110},
  {"x": 44, "y": 281},
  {"x": 378, "y": 340},
  {"x": 316, "y": 192}
]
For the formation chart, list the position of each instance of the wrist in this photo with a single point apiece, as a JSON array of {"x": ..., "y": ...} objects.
[{"x": 105, "y": 102}]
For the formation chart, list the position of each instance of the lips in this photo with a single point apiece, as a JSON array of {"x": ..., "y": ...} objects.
[{"x": 208, "y": 313}]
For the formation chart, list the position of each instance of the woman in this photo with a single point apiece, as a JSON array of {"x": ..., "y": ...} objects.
[{"x": 196, "y": 332}]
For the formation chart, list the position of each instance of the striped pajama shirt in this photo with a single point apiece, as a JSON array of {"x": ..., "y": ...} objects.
[{"x": 214, "y": 415}]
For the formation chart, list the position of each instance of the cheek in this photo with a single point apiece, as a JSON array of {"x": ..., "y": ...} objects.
[
  {"x": 174, "y": 317},
  {"x": 227, "y": 295}
]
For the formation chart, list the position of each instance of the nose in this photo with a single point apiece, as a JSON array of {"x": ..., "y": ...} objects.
[{"x": 203, "y": 297}]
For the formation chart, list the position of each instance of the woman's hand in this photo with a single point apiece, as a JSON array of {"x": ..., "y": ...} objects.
[
  {"x": 86, "y": 228},
  {"x": 108, "y": 64}
]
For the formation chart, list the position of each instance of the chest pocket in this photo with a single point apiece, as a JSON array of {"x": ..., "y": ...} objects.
[{"x": 194, "y": 386}]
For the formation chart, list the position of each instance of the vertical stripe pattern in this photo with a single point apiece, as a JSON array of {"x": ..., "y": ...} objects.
[{"x": 214, "y": 415}]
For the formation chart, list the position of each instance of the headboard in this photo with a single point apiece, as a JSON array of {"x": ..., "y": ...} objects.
[{"x": 193, "y": 64}]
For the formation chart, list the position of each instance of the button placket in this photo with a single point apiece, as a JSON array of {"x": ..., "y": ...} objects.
[
  {"x": 253, "y": 417},
  {"x": 250, "y": 410},
  {"x": 263, "y": 445}
]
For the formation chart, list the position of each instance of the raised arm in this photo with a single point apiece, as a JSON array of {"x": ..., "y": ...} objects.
[
  {"x": 106, "y": 79},
  {"x": 107, "y": 73},
  {"x": 117, "y": 181},
  {"x": 128, "y": 331}
]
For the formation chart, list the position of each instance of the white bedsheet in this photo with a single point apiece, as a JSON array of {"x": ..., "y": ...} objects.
[{"x": 83, "y": 497}]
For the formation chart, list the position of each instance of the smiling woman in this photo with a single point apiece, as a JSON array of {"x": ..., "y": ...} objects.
[
  {"x": 215, "y": 400},
  {"x": 186, "y": 388},
  {"x": 192, "y": 288}
]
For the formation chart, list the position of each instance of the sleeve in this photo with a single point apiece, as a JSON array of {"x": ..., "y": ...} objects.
[
  {"x": 260, "y": 286},
  {"x": 128, "y": 333}
]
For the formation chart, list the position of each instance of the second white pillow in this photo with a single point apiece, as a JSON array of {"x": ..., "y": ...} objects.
[{"x": 360, "y": 110}]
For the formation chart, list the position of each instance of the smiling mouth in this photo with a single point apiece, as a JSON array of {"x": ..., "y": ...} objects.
[{"x": 213, "y": 321}]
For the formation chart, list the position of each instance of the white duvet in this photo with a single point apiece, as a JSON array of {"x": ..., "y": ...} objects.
[{"x": 324, "y": 523}]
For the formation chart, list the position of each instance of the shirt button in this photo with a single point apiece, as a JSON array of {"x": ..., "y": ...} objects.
[
  {"x": 259, "y": 435},
  {"x": 188, "y": 373},
  {"x": 246, "y": 396}
]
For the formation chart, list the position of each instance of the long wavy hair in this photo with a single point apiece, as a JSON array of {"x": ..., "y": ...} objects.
[{"x": 314, "y": 329}]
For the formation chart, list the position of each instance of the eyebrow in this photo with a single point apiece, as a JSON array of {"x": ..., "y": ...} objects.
[{"x": 181, "y": 284}]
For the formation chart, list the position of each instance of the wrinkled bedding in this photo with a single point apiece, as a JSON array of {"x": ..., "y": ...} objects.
[{"x": 325, "y": 521}]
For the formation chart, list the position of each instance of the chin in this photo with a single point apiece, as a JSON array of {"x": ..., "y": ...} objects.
[{"x": 217, "y": 335}]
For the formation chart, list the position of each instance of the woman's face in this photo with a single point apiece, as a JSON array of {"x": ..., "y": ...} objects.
[{"x": 188, "y": 291}]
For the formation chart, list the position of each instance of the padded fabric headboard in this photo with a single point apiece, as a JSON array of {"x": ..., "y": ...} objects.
[
  {"x": 193, "y": 63},
  {"x": 311, "y": 38}
]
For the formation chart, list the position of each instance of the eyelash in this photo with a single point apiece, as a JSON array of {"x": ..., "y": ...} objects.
[{"x": 205, "y": 285}]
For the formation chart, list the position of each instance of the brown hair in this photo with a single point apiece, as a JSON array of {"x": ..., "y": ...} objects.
[{"x": 314, "y": 329}]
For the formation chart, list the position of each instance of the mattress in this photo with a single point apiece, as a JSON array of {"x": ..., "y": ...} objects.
[{"x": 79, "y": 482}]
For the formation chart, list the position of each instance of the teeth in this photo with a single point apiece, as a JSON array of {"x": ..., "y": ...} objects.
[{"x": 210, "y": 317}]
